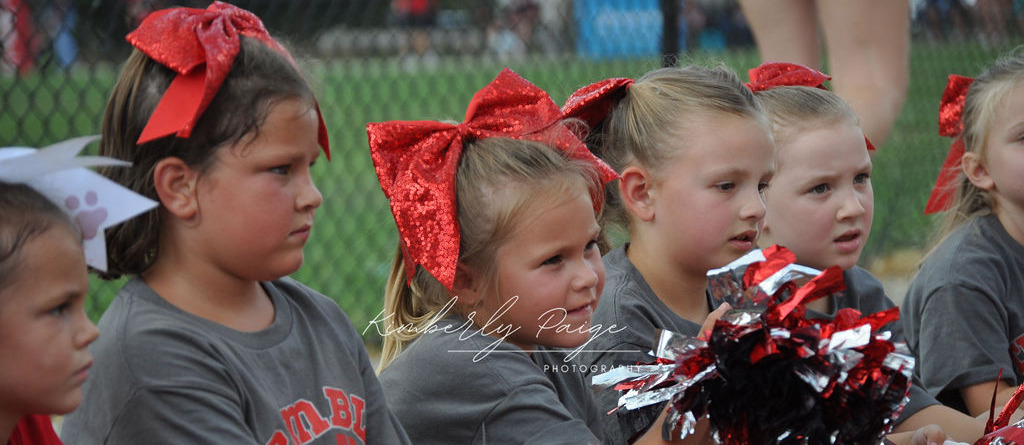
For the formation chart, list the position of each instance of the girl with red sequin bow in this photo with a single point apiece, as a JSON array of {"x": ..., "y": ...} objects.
[
  {"x": 497, "y": 271},
  {"x": 209, "y": 341},
  {"x": 694, "y": 151},
  {"x": 820, "y": 206},
  {"x": 964, "y": 311}
]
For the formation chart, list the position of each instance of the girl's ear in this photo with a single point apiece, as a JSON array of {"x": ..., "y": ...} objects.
[
  {"x": 634, "y": 188},
  {"x": 175, "y": 184},
  {"x": 465, "y": 286},
  {"x": 976, "y": 171}
]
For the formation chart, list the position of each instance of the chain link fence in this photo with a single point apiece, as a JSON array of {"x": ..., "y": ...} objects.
[{"x": 374, "y": 60}]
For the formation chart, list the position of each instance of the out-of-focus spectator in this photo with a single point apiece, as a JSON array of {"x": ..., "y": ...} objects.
[
  {"x": 416, "y": 17},
  {"x": 59, "y": 19},
  {"x": 944, "y": 19},
  {"x": 992, "y": 17},
  {"x": 16, "y": 37},
  {"x": 523, "y": 27},
  {"x": 867, "y": 44}
]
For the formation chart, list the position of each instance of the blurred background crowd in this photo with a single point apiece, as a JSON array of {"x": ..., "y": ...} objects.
[{"x": 375, "y": 60}]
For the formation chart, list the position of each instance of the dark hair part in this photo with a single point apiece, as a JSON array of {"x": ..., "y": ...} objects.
[
  {"x": 24, "y": 214},
  {"x": 497, "y": 179},
  {"x": 259, "y": 78}
]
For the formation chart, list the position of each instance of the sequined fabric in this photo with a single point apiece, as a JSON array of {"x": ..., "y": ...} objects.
[
  {"x": 592, "y": 103},
  {"x": 950, "y": 125},
  {"x": 200, "y": 45},
  {"x": 416, "y": 163},
  {"x": 780, "y": 74}
]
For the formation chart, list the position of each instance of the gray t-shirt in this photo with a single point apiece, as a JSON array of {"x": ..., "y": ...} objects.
[
  {"x": 164, "y": 376},
  {"x": 964, "y": 311},
  {"x": 628, "y": 302},
  {"x": 445, "y": 391}
]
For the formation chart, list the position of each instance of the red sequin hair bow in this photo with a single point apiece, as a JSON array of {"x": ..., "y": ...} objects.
[
  {"x": 200, "y": 45},
  {"x": 416, "y": 162},
  {"x": 950, "y": 125},
  {"x": 592, "y": 103},
  {"x": 785, "y": 74}
]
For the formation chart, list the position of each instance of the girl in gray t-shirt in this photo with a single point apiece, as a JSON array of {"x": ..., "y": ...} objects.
[
  {"x": 964, "y": 311},
  {"x": 498, "y": 269}
]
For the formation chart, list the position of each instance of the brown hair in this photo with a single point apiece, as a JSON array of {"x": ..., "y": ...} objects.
[
  {"x": 24, "y": 214},
  {"x": 497, "y": 179},
  {"x": 259, "y": 78}
]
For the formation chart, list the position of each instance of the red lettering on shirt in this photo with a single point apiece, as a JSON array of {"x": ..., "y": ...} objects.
[
  {"x": 1017, "y": 352},
  {"x": 304, "y": 423},
  {"x": 293, "y": 418},
  {"x": 340, "y": 415},
  {"x": 359, "y": 424}
]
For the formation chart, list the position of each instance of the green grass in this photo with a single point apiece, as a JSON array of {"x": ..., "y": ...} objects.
[{"x": 353, "y": 242}]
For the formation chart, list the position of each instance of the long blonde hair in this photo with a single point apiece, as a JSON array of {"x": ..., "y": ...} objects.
[
  {"x": 985, "y": 94},
  {"x": 497, "y": 179}
]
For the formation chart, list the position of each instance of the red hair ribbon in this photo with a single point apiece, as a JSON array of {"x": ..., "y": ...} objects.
[
  {"x": 200, "y": 45},
  {"x": 416, "y": 163},
  {"x": 785, "y": 74},
  {"x": 950, "y": 125},
  {"x": 592, "y": 103}
]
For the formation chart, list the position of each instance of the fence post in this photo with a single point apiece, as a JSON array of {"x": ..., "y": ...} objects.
[{"x": 669, "y": 32}]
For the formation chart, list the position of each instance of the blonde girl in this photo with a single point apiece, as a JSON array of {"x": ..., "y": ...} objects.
[
  {"x": 964, "y": 311},
  {"x": 694, "y": 151},
  {"x": 498, "y": 268},
  {"x": 821, "y": 203}
]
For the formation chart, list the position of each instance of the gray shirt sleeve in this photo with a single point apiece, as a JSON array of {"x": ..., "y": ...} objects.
[
  {"x": 965, "y": 341},
  {"x": 964, "y": 311}
]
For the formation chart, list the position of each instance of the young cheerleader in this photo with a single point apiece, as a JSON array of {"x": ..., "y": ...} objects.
[
  {"x": 498, "y": 264},
  {"x": 44, "y": 330},
  {"x": 694, "y": 151},
  {"x": 820, "y": 206},
  {"x": 964, "y": 311},
  {"x": 209, "y": 341}
]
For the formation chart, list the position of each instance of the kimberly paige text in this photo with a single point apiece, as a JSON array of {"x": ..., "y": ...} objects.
[{"x": 552, "y": 320}]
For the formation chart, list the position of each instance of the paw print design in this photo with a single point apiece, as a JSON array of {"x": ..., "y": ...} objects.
[{"x": 89, "y": 220}]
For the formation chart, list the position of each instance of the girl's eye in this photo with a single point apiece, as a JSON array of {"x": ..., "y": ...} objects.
[
  {"x": 592, "y": 244},
  {"x": 819, "y": 189},
  {"x": 725, "y": 186},
  {"x": 861, "y": 178},
  {"x": 279, "y": 170},
  {"x": 552, "y": 261},
  {"x": 60, "y": 310},
  {"x": 762, "y": 186}
]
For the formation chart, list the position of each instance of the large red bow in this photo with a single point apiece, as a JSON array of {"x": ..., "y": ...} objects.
[
  {"x": 592, "y": 103},
  {"x": 416, "y": 163},
  {"x": 785, "y": 74},
  {"x": 185, "y": 39},
  {"x": 780, "y": 74},
  {"x": 950, "y": 125}
]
